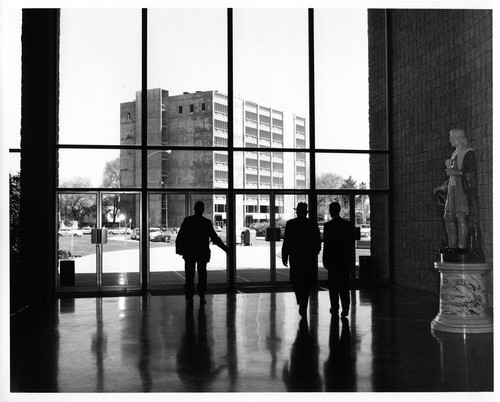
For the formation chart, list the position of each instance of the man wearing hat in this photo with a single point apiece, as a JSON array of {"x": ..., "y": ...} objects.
[{"x": 301, "y": 246}]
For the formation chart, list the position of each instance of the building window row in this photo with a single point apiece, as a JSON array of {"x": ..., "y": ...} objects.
[
  {"x": 250, "y": 115},
  {"x": 252, "y": 163},
  {"x": 265, "y": 134},
  {"x": 219, "y": 108},
  {"x": 265, "y": 179},
  {"x": 278, "y": 182},
  {"x": 265, "y": 119},
  {"x": 220, "y": 175},
  {"x": 221, "y": 158},
  {"x": 220, "y": 142},
  {"x": 251, "y": 209},
  {"x": 278, "y": 137},
  {"x": 220, "y": 125},
  {"x": 265, "y": 164},
  {"x": 251, "y": 178},
  {"x": 251, "y": 131},
  {"x": 220, "y": 208},
  {"x": 191, "y": 108},
  {"x": 278, "y": 166},
  {"x": 300, "y": 143},
  {"x": 277, "y": 123},
  {"x": 301, "y": 170}
]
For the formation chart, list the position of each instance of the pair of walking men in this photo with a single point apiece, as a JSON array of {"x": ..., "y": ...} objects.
[{"x": 301, "y": 246}]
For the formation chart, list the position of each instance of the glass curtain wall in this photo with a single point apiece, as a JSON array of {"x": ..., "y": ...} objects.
[
  {"x": 187, "y": 134},
  {"x": 261, "y": 160},
  {"x": 99, "y": 69},
  {"x": 346, "y": 159}
]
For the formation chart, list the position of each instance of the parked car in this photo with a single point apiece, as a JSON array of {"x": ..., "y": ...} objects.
[
  {"x": 86, "y": 230},
  {"x": 70, "y": 232},
  {"x": 153, "y": 233},
  {"x": 159, "y": 235},
  {"x": 115, "y": 231},
  {"x": 365, "y": 237}
]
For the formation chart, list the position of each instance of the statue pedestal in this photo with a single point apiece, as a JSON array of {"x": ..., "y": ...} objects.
[{"x": 463, "y": 306}]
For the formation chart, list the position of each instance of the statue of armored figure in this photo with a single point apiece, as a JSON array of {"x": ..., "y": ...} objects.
[{"x": 460, "y": 198}]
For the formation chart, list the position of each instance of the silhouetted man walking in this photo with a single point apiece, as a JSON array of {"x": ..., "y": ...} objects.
[
  {"x": 193, "y": 243},
  {"x": 301, "y": 244},
  {"x": 338, "y": 249}
]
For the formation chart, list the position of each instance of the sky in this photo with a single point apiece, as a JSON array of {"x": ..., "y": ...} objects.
[{"x": 100, "y": 67}]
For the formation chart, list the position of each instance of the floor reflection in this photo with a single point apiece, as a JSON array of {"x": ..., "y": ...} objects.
[
  {"x": 99, "y": 346},
  {"x": 301, "y": 373},
  {"x": 145, "y": 348},
  {"x": 195, "y": 365},
  {"x": 254, "y": 342},
  {"x": 340, "y": 373}
]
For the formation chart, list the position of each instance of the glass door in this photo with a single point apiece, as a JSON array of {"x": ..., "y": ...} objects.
[
  {"x": 76, "y": 255},
  {"x": 284, "y": 211},
  {"x": 121, "y": 259},
  {"x": 354, "y": 208},
  {"x": 323, "y": 202},
  {"x": 91, "y": 259},
  {"x": 167, "y": 210},
  {"x": 215, "y": 211},
  {"x": 252, "y": 251}
]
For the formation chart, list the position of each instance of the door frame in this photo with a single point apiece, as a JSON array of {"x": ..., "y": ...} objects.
[{"x": 98, "y": 287}]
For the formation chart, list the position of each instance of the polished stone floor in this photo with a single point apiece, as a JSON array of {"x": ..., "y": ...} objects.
[{"x": 247, "y": 342}]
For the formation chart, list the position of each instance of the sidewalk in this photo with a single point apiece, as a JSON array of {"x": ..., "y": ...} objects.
[{"x": 164, "y": 259}]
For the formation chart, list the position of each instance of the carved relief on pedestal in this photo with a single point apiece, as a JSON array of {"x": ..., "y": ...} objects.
[
  {"x": 463, "y": 295},
  {"x": 463, "y": 306}
]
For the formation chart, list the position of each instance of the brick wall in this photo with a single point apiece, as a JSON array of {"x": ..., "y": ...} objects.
[
  {"x": 440, "y": 77},
  {"x": 378, "y": 140}
]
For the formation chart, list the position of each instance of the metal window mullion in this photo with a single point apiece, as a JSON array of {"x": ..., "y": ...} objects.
[
  {"x": 313, "y": 210},
  {"x": 99, "y": 247},
  {"x": 144, "y": 166},
  {"x": 272, "y": 223},
  {"x": 231, "y": 202}
]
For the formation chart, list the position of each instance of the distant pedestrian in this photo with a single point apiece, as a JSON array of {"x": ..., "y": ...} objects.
[
  {"x": 301, "y": 245},
  {"x": 338, "y": 256},
  {"x": 193, "y": 243}
]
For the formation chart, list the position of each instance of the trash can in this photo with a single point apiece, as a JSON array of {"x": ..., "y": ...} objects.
[
  {"x": 67, "y": 273},
  {"x": 365, "y": 266},
  {"x": 248, "y": 237}
]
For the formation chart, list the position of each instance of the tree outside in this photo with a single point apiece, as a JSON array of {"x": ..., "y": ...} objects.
[
  {"x": 111, "y": 179},
  {"x": 79, "y": 207}
]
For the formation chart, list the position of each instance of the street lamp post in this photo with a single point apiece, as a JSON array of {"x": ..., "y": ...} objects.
[{"x": 122, "y": 218}]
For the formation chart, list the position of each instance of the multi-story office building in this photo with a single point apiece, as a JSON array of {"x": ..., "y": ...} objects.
[{"x": 200, "y": 120}]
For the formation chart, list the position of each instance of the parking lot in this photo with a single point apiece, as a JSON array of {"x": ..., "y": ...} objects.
[{"x": 122, "y": 255}]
